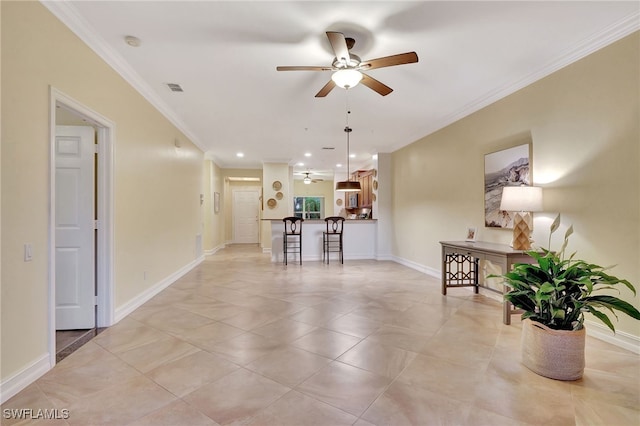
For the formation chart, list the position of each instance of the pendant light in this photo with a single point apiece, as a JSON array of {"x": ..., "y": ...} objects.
[{"x": 348, "y": 185}]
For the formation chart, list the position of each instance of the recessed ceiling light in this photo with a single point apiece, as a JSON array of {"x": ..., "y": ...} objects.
[
  {"x": 338, "y": 165},
  {"x": 307, "y": 154},
  {"x": 352, "y": 156},
  {"x": 132, "y": 41},
  {"x": 240, "y": 155},
  {"x": 374, "y": 156},
  {"x": 300, "y": 164}
]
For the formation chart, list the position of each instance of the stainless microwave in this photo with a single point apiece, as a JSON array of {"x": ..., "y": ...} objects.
[{"x": 352, "y": 200}]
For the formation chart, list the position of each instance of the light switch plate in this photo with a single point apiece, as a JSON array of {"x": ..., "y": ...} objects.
[{"x": 28, "y": 252}]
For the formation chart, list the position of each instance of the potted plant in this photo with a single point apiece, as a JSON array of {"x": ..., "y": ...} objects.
[{"x": 554, "y": 294}]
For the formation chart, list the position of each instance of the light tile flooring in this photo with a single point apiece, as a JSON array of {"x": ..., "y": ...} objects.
[{"x": 240, "y": 340}]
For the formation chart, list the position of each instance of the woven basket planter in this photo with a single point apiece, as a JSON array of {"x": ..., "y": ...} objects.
[{"x": 557, "y": 354}]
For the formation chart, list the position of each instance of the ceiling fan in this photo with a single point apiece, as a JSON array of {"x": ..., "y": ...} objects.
[
  {"x": 308, "y": 180},
  {"x": 348, "y": 68}
]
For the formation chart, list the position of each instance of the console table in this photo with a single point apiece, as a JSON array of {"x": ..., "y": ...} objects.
[{"x": 461, "y": 265}]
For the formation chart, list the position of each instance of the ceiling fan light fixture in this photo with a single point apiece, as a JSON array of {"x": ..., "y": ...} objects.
[
  {"x": 307, "y": 180},
  {"x": 347, "y": 78}
]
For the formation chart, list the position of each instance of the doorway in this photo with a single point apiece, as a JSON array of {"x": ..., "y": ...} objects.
[
  {"x": 80, "y": 225},
  {"x": 75, "y": 231},
  {"x": 246, "y": 216}
]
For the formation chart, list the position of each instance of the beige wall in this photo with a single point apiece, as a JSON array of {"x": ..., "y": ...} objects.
[
  {"x": 583, "y": 122},
  {"x": 156, "y": 188},
  {"x": 214, "y": 223}
]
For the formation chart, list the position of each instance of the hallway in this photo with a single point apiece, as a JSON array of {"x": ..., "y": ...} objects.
[{"x": 241, "y": 340}]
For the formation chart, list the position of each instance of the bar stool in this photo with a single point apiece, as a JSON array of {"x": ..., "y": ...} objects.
[
  {"x": 332, "y": 237},
  {"x": 292, "y": 236}
]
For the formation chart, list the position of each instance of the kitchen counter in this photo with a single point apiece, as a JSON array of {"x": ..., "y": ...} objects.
[{"x": 359, "y": 240}]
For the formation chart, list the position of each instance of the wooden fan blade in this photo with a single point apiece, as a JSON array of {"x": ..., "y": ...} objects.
[
  {"x": 339, "y": 46},
  {"x": 374, "y": 84},
  {"x": 303, "y": 68},
  {"x": 389, "y": 61},
  {"x": 326, "y": 89}
]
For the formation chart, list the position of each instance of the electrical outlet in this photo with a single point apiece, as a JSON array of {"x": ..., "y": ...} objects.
[{"x": 28, "y": 252}]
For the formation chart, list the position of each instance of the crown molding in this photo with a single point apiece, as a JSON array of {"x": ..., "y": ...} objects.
[
  {"x": 67, "y": 13},
  {"x": 582, "y": 49}
]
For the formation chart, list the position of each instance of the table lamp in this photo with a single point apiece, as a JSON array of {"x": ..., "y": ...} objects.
[{"x": 523, "y": 200}]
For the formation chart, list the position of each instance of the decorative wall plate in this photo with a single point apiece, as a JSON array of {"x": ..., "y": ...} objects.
[
  {"x": 279, "y": 195},
  {"x": 277, "y": 186},
  {"x": 339, "y": 202},
  {"x": 375, "y": 184},
  {"x": 271, "y": 203},
  {"x": 375, "y": 173},
  {"x": 373, "y": 197}
]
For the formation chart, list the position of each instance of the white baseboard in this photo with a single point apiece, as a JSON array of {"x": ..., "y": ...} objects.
[
  {"x": 15, "y": 383},
  {"x": 599, "y": 331},
  {"x": 418, "y": 267},
  {"x": 214, "y": 250},
  {"x": 620, "y": 338},
  {"x": 143, "y": 297}
]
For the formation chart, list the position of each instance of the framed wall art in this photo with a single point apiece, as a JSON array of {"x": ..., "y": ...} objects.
[{"x": 509, "y": 167}]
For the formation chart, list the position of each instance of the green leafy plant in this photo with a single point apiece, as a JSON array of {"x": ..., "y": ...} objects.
[{"x": 557, "y": 291}]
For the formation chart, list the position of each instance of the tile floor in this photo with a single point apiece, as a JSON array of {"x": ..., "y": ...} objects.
[{"x": 240, "y": 340}]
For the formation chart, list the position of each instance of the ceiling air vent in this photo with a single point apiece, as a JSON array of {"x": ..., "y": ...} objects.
[
  {"x": 328, "y": 148},
  {"x": 174, "y": 87}
]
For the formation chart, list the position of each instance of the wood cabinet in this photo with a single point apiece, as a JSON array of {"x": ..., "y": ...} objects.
[{"x": 365, "y": 177}]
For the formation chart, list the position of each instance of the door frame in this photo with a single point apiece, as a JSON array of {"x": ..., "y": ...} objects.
[{"x": 105, "y": 130}]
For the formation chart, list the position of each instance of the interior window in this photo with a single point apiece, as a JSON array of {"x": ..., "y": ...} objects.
[{"x": 308, "y": 207}]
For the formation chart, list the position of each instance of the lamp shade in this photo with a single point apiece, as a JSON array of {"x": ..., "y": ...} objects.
[
  {"x": 348, "y": 186},
  {"x": 347, "y": 78},
  {"x": 521, "y": 199}
]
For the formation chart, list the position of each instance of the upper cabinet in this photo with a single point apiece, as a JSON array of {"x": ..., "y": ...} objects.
[{"x": 365, "y": 199}]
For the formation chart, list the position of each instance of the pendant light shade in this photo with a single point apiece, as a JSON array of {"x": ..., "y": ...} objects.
[{"x": 348, "y": 186}]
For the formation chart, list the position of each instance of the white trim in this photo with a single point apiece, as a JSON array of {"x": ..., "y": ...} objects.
[
  {"x": 582, "y": 49},
  {"x": 214, "y": 250},
  {"x": 418, "y": 267},
  {"x": 105, "y": 246},
  {"x": 20, "y": 380},
  {"x": 599, "y": 331},
  {"x": 66, "y": 12},
  {"x": 620, "y": 338},
  {"x": 143, "y": 297}
]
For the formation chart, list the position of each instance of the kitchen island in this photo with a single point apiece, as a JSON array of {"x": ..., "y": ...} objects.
[{"x": 359, "y": 240}]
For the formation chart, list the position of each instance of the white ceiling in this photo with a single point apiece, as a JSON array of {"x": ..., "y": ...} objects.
[{"x": 224, "y": 55}]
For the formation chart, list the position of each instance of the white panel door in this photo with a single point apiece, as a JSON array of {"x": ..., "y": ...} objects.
[
  {"x": 74, "y": 221},
  {"x": 245, "y": 216}
]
